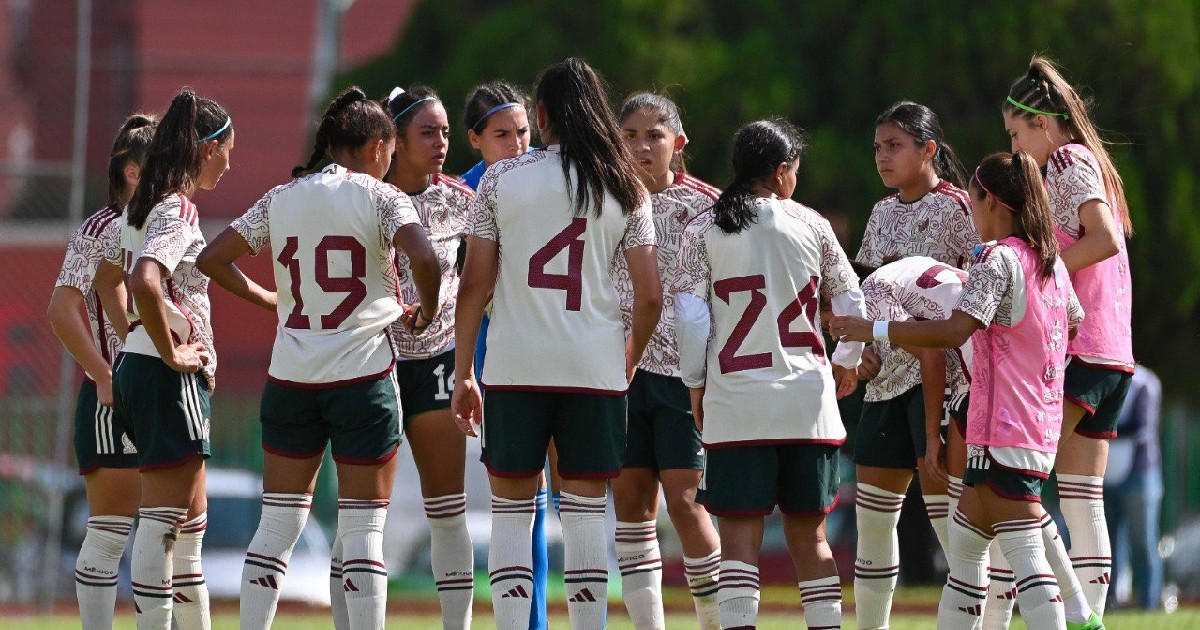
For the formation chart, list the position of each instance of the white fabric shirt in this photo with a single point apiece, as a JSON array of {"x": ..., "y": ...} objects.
[
  {"x": 556, "y": 320},
  {"x": 937, "y": 225},
  {"x": 336, "y": 280},
  {"x": 85, "y": 252},
  {"x": 768, "y": 380}
]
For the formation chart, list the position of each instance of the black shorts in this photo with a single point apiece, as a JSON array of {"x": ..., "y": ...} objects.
[
  {"x": 101, "y": 434},
  {"x": 661, "y": 432},
  {"x": 802, "y": 479},
  {"x": 588, "y": 432},
  {"x": 167, "y": 412},
  {"x": 1005, "y": 482},
  {"x": 1100, "y": 392},
  {"x": 425, "y": 384},
  {"x": 361, "y": 421},
  {"x": 891, "y": 433}
]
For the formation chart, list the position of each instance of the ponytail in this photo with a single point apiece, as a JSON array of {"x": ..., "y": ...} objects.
[
  {"x": 1043, "y": 90},
  {"x": 577, "y": 116},
  {"x": 175, "y": 152},
  {"x": 349, "y": 121},
  {"x": 758, "y": 149},
  {"x": 130, "y": 146},
  {"x": 923, "y": 125},
  {"x": 1015, "y": 180}
]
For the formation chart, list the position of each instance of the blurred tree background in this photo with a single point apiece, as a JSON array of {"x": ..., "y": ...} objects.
[{"x": 831, "y": 67}]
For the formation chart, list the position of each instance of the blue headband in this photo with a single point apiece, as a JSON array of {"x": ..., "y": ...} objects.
[
  {"x": 493, "y": 111},
  {"x": 228, "y": 121},
  {"x": 414, "y": 104}
]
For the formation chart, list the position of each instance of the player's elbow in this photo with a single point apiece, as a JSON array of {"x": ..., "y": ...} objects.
[
  {"x": 650, "y": 298},
  {"x": 206, "y": 262}
]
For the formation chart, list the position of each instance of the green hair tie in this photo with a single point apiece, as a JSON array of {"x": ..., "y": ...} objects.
[{"x": 1016, "y": 103}]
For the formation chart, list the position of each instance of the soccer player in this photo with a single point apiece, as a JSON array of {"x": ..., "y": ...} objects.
[
  {"x": 906, "y": 402},
  {"x": 425, "y": 356},
  {"x": 105, "y": 452},
  {"x": 1046, "y": 118},
  {"x": 663, "y": 441},
  {"x": 331, "y": 379},
  {"x": 558, "y": 363},
  {"x": 752, "y": 272},
  {"x": 1018, "y": 309},
  {"x": 165, "y": 374}
]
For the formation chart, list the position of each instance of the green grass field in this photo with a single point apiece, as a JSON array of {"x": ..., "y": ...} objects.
[{"x": 781, "y": 609}]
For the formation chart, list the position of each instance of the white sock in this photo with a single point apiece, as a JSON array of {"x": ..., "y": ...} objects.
[
  {"x": 641, "y": 573},
  {"x": 191, "y": 593},
  {"x": 157, "y": 531},
  {"x": 585, "y": 564},
  {"x": 822, "y": 600},
  {"x": 1037, "y": 590},
  {"x": 510, "y": 561},
  {"x": 961, "y": 606},
  {"x": 738, "y": 595},
  {"x": 954, "y": 490},
  {"x": 1081, "y": 499},
  {"x": 1002, "y": 595},
  {"x": 337, "y": 592},
  {"x": 702, "y": 578},
  {"x": 283, "y": 518},
  {"x": 937, "y": 506},
  {"x": 878, "y": 563},
  {"x": 96, "y": 569},
  {"x": 364, "y": 576},
  {"x": 1075, "y": 605},
  {"x": 452, "y": 558}
]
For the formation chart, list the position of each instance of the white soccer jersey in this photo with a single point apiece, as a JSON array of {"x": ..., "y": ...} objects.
[
  {"x": 171, "y": 236},
  {"x": 937, "y": 225},
  {"x": 85, "y": 252},
  {"x": 674, "y": 208},
  {"x": 768, "y": 379},
  {"x": 556, "y": 320},
  {"x": 444, "y": 208},
  {"x": 911, "y": 288},
  {"x": 331, "y": 233}
]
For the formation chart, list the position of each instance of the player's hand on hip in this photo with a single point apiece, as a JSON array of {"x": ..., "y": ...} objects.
[
  {"x": 467, "y": 403},
  {"x": 188, "y": 357}
]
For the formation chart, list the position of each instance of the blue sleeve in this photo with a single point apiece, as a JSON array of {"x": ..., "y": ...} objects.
[
  {"x": 472, "y": 177},
  {"x": 481, "y": 348}
]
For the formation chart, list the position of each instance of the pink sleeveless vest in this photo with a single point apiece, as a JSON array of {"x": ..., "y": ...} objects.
[{"x": 1017, "y": 374}]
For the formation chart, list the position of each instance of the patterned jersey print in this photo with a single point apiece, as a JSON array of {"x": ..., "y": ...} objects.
[
  {"x": 171, "y": 236},
  {"x": 995, "y": 289},
  {"x": 674, "y": 208},
  {"x": 444, "y": 208},
  {"x": 85, "y": 252},
  {"x": 937, "y": 225},
  {"x": 1073, "y": 178}
]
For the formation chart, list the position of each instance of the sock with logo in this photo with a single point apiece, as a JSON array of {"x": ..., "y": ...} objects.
[
  {"x": 157, "y": 532},
  {"x": 364, "y": 576},
  {"x": 877, "y": 565},
  {"x": 96, "y": 569},
  {"x": 1081, "y": 498},
  {"x": 702, "y": 578},
  {"x": 641, "y": 573},
  {"x": 822, "y": 600},
  {"x": 737, "y": 595},
  {"x": 585, "y": 565},
  {"x": 283, "y": 518},
  {"x": 1075, "y": 605},
  {"x": 1037, "y": 590},
  {"x": 510, "y": 555},
  {"x": 961, "y": 606},
  {"x": 452, "y": 557},
  {"x": 337, "y": 592}
]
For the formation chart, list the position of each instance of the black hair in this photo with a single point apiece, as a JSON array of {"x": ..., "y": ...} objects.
[
  {"x": 668, "y": 115},
  {"x": 758, "y": 149},
  {"x": 407, "y": 104},
  {"x": 923, "y": 125},
  {"x": 577, "y": 115},
  {"x": 486, "y": 96},
  {"x": 1044, "y": 88},
  {"x": 1015, "y": 180},
  {"x": 175, "y": 152},
  {"x": 350, "y": 121},
  {"x": 131, "y": 145}
]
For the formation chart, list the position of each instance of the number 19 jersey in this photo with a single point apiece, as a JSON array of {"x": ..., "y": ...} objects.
[
  {"x": 336, "y": 280},
  {"x": 556, "y": 319}
]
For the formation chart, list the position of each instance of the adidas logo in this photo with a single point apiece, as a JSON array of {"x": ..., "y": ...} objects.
[
  {"x": 180, "y": 598},
  {"x": 975, "y": 610},
  {"x": 1057, "y": 598},
  {"x": 1103, "y": 579},
  {"x": 349, "y": 586},
  {"x": 267, "y": 581},
  {"x": 584, "y": 595},
  {"x": 127, "y": 447},
  {"x": 516, "y": 591}
]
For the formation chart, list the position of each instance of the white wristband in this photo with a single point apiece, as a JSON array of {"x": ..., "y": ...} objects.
[{"x": 880, "y": 331}]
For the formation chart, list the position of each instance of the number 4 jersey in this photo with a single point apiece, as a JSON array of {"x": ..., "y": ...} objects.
[
  {"x": 336, "y": 281},
  {"x": 768, "y": 380},
  {"x": 556, "y": 320}
]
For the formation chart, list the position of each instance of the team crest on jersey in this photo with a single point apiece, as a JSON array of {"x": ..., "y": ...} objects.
[{"x": 127, "y": 446}]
